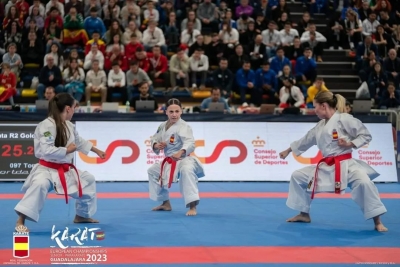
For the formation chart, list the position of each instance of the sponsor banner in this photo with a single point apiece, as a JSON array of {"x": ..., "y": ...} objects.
[{"x": 242, "y": 151}]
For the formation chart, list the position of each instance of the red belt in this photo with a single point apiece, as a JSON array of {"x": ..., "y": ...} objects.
[
  {"x": 171, "y": 173},
  {"x": 62, "y": 169},
  {"x": 330, "y": 161}
]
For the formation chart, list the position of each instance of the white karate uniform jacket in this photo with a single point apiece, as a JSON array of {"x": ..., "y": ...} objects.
[
  {"x": 178, "y": 136},
  {"x": 347, "y": 127}
]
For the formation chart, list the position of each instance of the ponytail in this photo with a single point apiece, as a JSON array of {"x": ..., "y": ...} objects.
[
  {"x": 340, "y": 103},
  {"x": 56, "y": 107}
]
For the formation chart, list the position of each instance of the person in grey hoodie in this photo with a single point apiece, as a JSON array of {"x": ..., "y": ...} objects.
[
  {"x": 207, "y": 13},
  {"x": 134, "y": 77}
]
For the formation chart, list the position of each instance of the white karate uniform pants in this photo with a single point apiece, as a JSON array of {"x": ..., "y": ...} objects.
[
  {"x": 33, "y": 201},
  {"x": 364, "y": 192},
  {"x": 187, "y": 182}
]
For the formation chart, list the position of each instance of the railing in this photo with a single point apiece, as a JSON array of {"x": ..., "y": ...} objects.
[{"x": 393, "y": 115}]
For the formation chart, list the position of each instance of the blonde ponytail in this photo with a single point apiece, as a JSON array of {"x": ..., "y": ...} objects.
[{"x": 340, "y": 103}]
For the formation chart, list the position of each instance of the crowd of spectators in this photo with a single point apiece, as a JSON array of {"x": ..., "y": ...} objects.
[{"x": 256, "y": 50}]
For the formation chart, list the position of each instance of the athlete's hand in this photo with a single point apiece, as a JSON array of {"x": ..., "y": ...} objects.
[
  {"x": 177, "y": 156},
  {"x": 101, "y": 154},
  {"x": 343, "y": 143},
  {"x": 71, "y": 148},
  {"x": 160, "y": 146},
  {"x": 284, "y": 154}
]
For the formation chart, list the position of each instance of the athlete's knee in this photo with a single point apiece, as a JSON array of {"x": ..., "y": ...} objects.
[
  {"x": 186, "y": 170},
  {"x": 361, "y": 179},
  {"x": 41, "y": 184},
  {"x": 154, "y": 170},
  {"x": 89, "y": 178}
]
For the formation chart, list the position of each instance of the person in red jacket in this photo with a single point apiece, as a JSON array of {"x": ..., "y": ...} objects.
[
  {"x": 130, "y": 49},
  {"x": 142, "y": 57},
  {"x": 159, "y": 66},
  {"x": 116, "y": 55},
  {"x": 8, "y": 84}
]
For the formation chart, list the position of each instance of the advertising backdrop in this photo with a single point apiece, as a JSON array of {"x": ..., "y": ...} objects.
[{"x": 230, "y": 151}]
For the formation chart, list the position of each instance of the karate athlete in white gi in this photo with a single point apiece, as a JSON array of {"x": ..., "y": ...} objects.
[
  {"x": 175, "y": 137},
  {"x": 336, "y": 135},
  {"x": 55, "y": 142}
]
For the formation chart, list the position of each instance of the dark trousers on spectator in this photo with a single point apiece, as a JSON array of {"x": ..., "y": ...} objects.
[
  {"x": 255, "y": 95},
  {"x": 317, "y": 50},
  {"x": 271, "y": 99},
  {"x": 121, "y": 90},
  {"x": 354, "y": 40},
  {"x": 163, "y": 76},
  {"x": 310, "y": 74},
  {"x": 336, "y": 39},
  {"x": 201, "y": 74},
  {"x": 213, "y": 26}
]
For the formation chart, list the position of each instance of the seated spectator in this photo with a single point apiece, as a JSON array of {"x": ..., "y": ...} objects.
[
  {"x": 134, "y": 77},
  {"x": 198, "y": 67},
  {"x": 37, "y": 4},
  {"x": 288, "y": 35},
  {"x": 101, "y": 45},
  {"x": 363, "y": 51},
  {"x": 303, "y": 24},
  {"x": 150, "y": 13},
  {"x": 248, "y": 36},
  {"x": 369, "y": 25},
  {"x": 306, "y": 67},
  {"x": 93, "y": 23},
  {"x": 74, "y": 4},
  {"x": 49, "y": 93},
  {"x": 294, "y": 51},
  {"x": 337, "y": 35},
  {"x": 390, "y": 98},
  {"x": 286, "y": 74},
  {"x": 236, "y": 60},
  {"x": 92, "y": 5},
  {"x": 36, "y": 19},
  {"x": 74, "y": 32},
  {"x": 94, "y": 54},
  {"x": 271, "y": 38},
  {"x": 96, "y": 81},
  {"x": 132, "y": 29},
  {"x": 382, "y": 40},
  {"x": 32, "y": 27},
  {"x": 189, "y": 35},
  {"x": 179, "y": 69},
  {"x": 116, "y": 55},
  {"x": 56, "y": 53},
  {"x": 55, "y": 4},
  {"x": 116, "y": 41},
  {"x": 53, "y": 34},
  {"x": 244, "y": 8},
  {"x": 314, "y": 40},
  {"x": 391, "y": 65},
  {"x": 153, "y": 36},
  {"x": 8, "y": 84},
  {"x": 313, "y": 90},
  {"x": 50, "y": 75},
  {"x": 243, "y": 22},
  {"x": 13, "y": 15},
  {"x": 246, "y": 82},
  {"x": 364, "y": 11},
  {"x": 223, "y": 79},
  {"x": 257, "y": 52},
  {"x": 13, "y": 59},
  {"x": 279, "y": 61},
  {"x": 214, "y": 98},
  {"x": 111, "y": 13},
  {"x": 142, "y": 57},
  {"x": 54, "y": 17},
  {"x": 74, "y": 78},
  {"x": 73, "y": 54},
  {"x": 158, "y": 65},
  {"x": 143, "y": 96},
  {"x": 116, "y": 83},
  {"x": 191, "y": 16},
  {"x": 13, "y": 35},
  {"x": 266, "y": 82},
  {"x": 207, "y": 14},
  {"x": 198, "y": 44},
  {"x": 367, "y": 66},
  {"x": 115, "y": 29},
  {"x": 215, "y": 49},
  {"x": 32, "y": 50},
  {"x": 229, "y": 36},
  {"x": 353, "y": 30},
  {"x": 377, "y": 83},
  {"x": 291, "y": 96},
  {"x": 388, "y": 23}
]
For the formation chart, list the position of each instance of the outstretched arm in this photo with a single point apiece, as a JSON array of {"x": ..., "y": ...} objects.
[{"x": 302, "y": 145}]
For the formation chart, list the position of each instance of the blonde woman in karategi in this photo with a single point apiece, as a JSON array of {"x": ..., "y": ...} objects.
[
  {"x": 175, "y": 137},
  {"x": 55, "y": 142},
  {"x": 336, "y": 135}
]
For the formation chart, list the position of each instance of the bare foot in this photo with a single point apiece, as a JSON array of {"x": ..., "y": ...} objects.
[
  {"x": 165, "y": 206},
  {"x": 79, "y": 219},
  {"x": 302, "y": 217},
  {"x": 192, "y": 209},
  {"x": 191, "y": 212},
  {"x": 379, "y": 225},
  {"x": 20, "y": 226}
]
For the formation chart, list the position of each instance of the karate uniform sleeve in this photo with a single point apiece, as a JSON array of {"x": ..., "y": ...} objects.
[
  {"x": 356, "y": 130},
  {"x": 45, "y": 136},
  {"x": 300, "y": 146},
  {"x": 186, "y": 135},
  {"x": 82, "y": 145},
  {"x": 156, "y": 138}
]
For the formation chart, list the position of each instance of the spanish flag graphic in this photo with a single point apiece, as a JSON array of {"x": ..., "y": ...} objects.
[
  {"x": 335, "y": 135},
  {"x": 21, "y": 246},
  {"x": 100, "y": 235}
]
